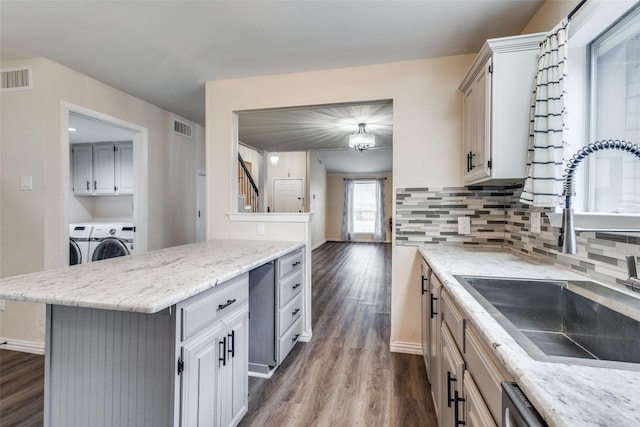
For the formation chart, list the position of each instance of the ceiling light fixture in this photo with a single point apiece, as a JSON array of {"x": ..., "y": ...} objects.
[
  {"x": 274, "y": 159},
  {"x": 72, "y": 129},
  {"x": 362, "y": 140}
]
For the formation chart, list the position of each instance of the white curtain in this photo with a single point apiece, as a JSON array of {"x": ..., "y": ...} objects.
[
  {"x": 347, "y": 210},
  {"x": 380, "y": 230},
  {"x": 547, "y": 144}
]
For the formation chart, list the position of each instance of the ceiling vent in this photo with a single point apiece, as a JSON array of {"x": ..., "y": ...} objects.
[
  {"x": 181, "y": 128},
  {"x": 15, "y": 79}
]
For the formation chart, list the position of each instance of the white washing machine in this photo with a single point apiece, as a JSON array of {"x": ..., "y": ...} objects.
[
  {"x": 110, "y": 240},
  {"x": 79, "y": 235}
]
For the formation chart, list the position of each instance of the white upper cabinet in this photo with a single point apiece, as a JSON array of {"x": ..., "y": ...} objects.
[
  {"x": 497, "y": 102},
  {"x": 104, "y": 168}
]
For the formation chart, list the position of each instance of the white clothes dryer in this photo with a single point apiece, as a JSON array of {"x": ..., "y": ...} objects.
[
  {"x": 111, "y": 240},
  {"x": 79, "y": 235}
]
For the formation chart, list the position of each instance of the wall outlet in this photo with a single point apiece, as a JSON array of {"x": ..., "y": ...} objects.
[
  {"x": 464, "y": 225},
  {"x": 535, "y": 222},
  {"x": 26, "y": 183},
  {"x": 260, "y": 228}
]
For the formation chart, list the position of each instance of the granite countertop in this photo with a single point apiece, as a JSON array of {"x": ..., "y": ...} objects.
[
  {"x": 148, "y": 282},
  {"x": 564, "y": 394}
]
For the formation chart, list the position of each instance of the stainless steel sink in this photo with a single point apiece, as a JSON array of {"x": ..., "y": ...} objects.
[{"x": 577, "y": 322}]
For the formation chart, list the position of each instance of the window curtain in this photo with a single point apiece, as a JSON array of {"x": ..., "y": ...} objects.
[
  {"x": 380, "y": 228},
  {"x": 347, "y": 210},
  {"x": 547, "y": 144}
]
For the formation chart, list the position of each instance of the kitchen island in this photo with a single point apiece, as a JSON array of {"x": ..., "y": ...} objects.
[
  {"x": 564, "y": 394},
  {"x": 130, "y": 339}
]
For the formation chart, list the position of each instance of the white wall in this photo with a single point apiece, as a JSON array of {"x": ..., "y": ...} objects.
[
  {"x": 31, "y": 222},
  {"x": 427, "y": 146},
  {"x": 316, "y": 201}
]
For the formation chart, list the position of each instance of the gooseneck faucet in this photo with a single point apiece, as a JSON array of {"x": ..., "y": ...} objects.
[{"x": 567, "y": 240}]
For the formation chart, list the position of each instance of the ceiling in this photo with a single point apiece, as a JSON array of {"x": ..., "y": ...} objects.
[
  {"x": 87, "y": 129},
  {"x": 164, "y": 52}
]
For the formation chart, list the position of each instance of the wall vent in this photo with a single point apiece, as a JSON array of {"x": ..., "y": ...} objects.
[
  {"x": 15, "y": 79},
  {"x": 181, "y": 128}
]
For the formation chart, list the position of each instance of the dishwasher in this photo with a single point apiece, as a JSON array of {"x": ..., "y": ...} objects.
[{"x": 517, "y": 411}]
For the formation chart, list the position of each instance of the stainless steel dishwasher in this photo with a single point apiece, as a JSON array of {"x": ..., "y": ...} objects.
[{"x": 517, "y": 411}]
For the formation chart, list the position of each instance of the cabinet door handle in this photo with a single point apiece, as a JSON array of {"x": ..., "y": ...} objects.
[
  {"x": 296, "y": 311},
  {"x": 296, "y": 286},
  {"x": 232, "y": 343},
  {"x": 95, "y": 185},
  {"x": 88, "y": 185},
  {"x": 468, "y": 161},
  {"x": 456, "y": 411},
  {"x": 223, "y": 354},
  {"x": 294, "y": 339},
  {"x": 424, "y": 280},
  {"x": 295, "y": 264},
  {"x": 450, "y": 379},
  {"x": 471, "y": 165},
  {"x": 432, "y": 309},
  {"x": 227, "y": 304}
]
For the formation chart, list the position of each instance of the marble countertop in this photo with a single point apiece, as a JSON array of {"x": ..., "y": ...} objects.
[
  {"x": 145, "y": 283},
  {"x": 564, "y": 394}
]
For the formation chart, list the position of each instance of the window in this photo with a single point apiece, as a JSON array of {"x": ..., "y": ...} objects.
[
  {"x": 364, "y": 207},
  {"x": 613, "y": 177}
]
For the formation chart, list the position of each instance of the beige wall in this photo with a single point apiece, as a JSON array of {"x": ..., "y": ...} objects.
[
  {"x": 335, "y": 202},
  {"x": 427, "y": 145},
  {"x": 550, "y": 13},
  {"x": 31, "y": 222},
  {"x": 316, "y": 201}
]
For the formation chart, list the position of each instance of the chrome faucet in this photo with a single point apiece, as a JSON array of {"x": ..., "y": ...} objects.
[
  {"x": 567, "y": 242},
  {"x": 633, "y": 282}
]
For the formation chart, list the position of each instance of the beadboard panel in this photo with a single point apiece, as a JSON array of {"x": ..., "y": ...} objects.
[{"x": 99, "y": 374}]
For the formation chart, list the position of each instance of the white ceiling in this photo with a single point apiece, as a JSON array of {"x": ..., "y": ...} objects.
[
  {"x": 87, "y": 129},
  {"x": 164, "y": 51}
]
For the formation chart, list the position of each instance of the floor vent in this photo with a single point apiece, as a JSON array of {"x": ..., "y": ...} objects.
[
  {"x": 15, "y": 79},
  {"x": 182, "y": 128}
]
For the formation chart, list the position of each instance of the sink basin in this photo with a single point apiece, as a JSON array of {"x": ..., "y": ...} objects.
[{"x": 577, "y": 322}]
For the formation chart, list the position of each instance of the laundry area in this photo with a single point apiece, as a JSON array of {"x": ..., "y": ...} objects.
[{"x": 100, "y": 205}]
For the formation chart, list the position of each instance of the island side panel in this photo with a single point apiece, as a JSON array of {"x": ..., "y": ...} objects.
[{"x": 109, "y": 367}]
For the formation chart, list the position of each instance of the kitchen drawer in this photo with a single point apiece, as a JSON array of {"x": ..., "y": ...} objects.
[
  {"x": 289, "y": 339},
  {"x": 198, "y": 312},
  {"x": 290, "y": 313},
  {"x": 454, "y": 319},
  {"x": 289, "y": 263},
  {"x": 487, "y": 371},
  {"x": 290, "y": 287}
]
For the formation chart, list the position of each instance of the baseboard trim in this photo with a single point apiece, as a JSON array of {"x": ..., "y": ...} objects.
[
  {"x": 316, "y": 246},
  {"x": 306, "y": 336},
  {"x": 23, "y": 346},
  {"x": 405, "y": 347}
]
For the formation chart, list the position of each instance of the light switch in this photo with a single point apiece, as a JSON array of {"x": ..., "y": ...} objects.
[
  {"x": 464, "y": 225},
  {"x": 535, "y": 222},
  {"x": 26, "y": 183}
]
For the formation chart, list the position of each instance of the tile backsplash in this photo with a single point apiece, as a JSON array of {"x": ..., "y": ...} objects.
[{"x": 430, "y": 216}]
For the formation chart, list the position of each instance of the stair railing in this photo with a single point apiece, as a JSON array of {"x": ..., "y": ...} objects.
[{"x": 247, "y": 186}]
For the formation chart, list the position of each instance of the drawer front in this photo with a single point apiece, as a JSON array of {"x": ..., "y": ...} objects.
[
  {"x": 289, "y": 263},
  {"x": 452, "y": 315},
  {"x": 289, "y": 288},
  {"x": 486, "y": 370},
  {"x": 288, "y": 315},
  {"x": 199, "y": 311},
  {"x": 289, "y": 339}
]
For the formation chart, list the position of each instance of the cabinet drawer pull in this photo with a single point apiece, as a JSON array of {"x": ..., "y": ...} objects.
[
  {"x": 296, "y": 311},
  {"x": 296, "y": 286},
  {"x": 88, "y": 185},
  {"x": 450, "y": 378},
  {"x": 295, "y": 264},
  {"x": 95, "y": 185},
  {"x": 432, "y": 308},
  {"x": 227, "y": 304},
  {"x": 295, "y": 338},
  {"x": 456, "y": 411},
  {"x": 232, "y": 343},
  {"x": 223, "y": 354}
]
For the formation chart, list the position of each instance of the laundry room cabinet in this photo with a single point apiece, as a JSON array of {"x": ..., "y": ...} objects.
[
  {"x": 496, "y": 107},
  {"x": 103, "y": 168}
]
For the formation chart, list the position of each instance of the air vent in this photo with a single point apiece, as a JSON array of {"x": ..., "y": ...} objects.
[
  {"x": 15, "y": 79},
  {"x": 182, "y": 128}
]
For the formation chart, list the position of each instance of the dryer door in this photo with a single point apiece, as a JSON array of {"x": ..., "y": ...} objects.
[
  {"x": 109, "y": 248},
  {"x": 75, "y": 255}
]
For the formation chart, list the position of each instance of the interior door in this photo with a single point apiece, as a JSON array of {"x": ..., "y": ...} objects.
[{"x": 288, "y": 195}]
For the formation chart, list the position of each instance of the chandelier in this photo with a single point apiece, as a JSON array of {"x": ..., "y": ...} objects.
[{"x": 362, "y": 140}]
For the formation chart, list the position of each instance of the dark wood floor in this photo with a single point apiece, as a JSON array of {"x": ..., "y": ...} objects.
[{"x": 346, "y": 375}]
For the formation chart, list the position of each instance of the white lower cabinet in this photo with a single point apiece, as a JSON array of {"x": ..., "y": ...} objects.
[
  {"x": 452, "y": 367},
  {"x": 477, "y": 413}
]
